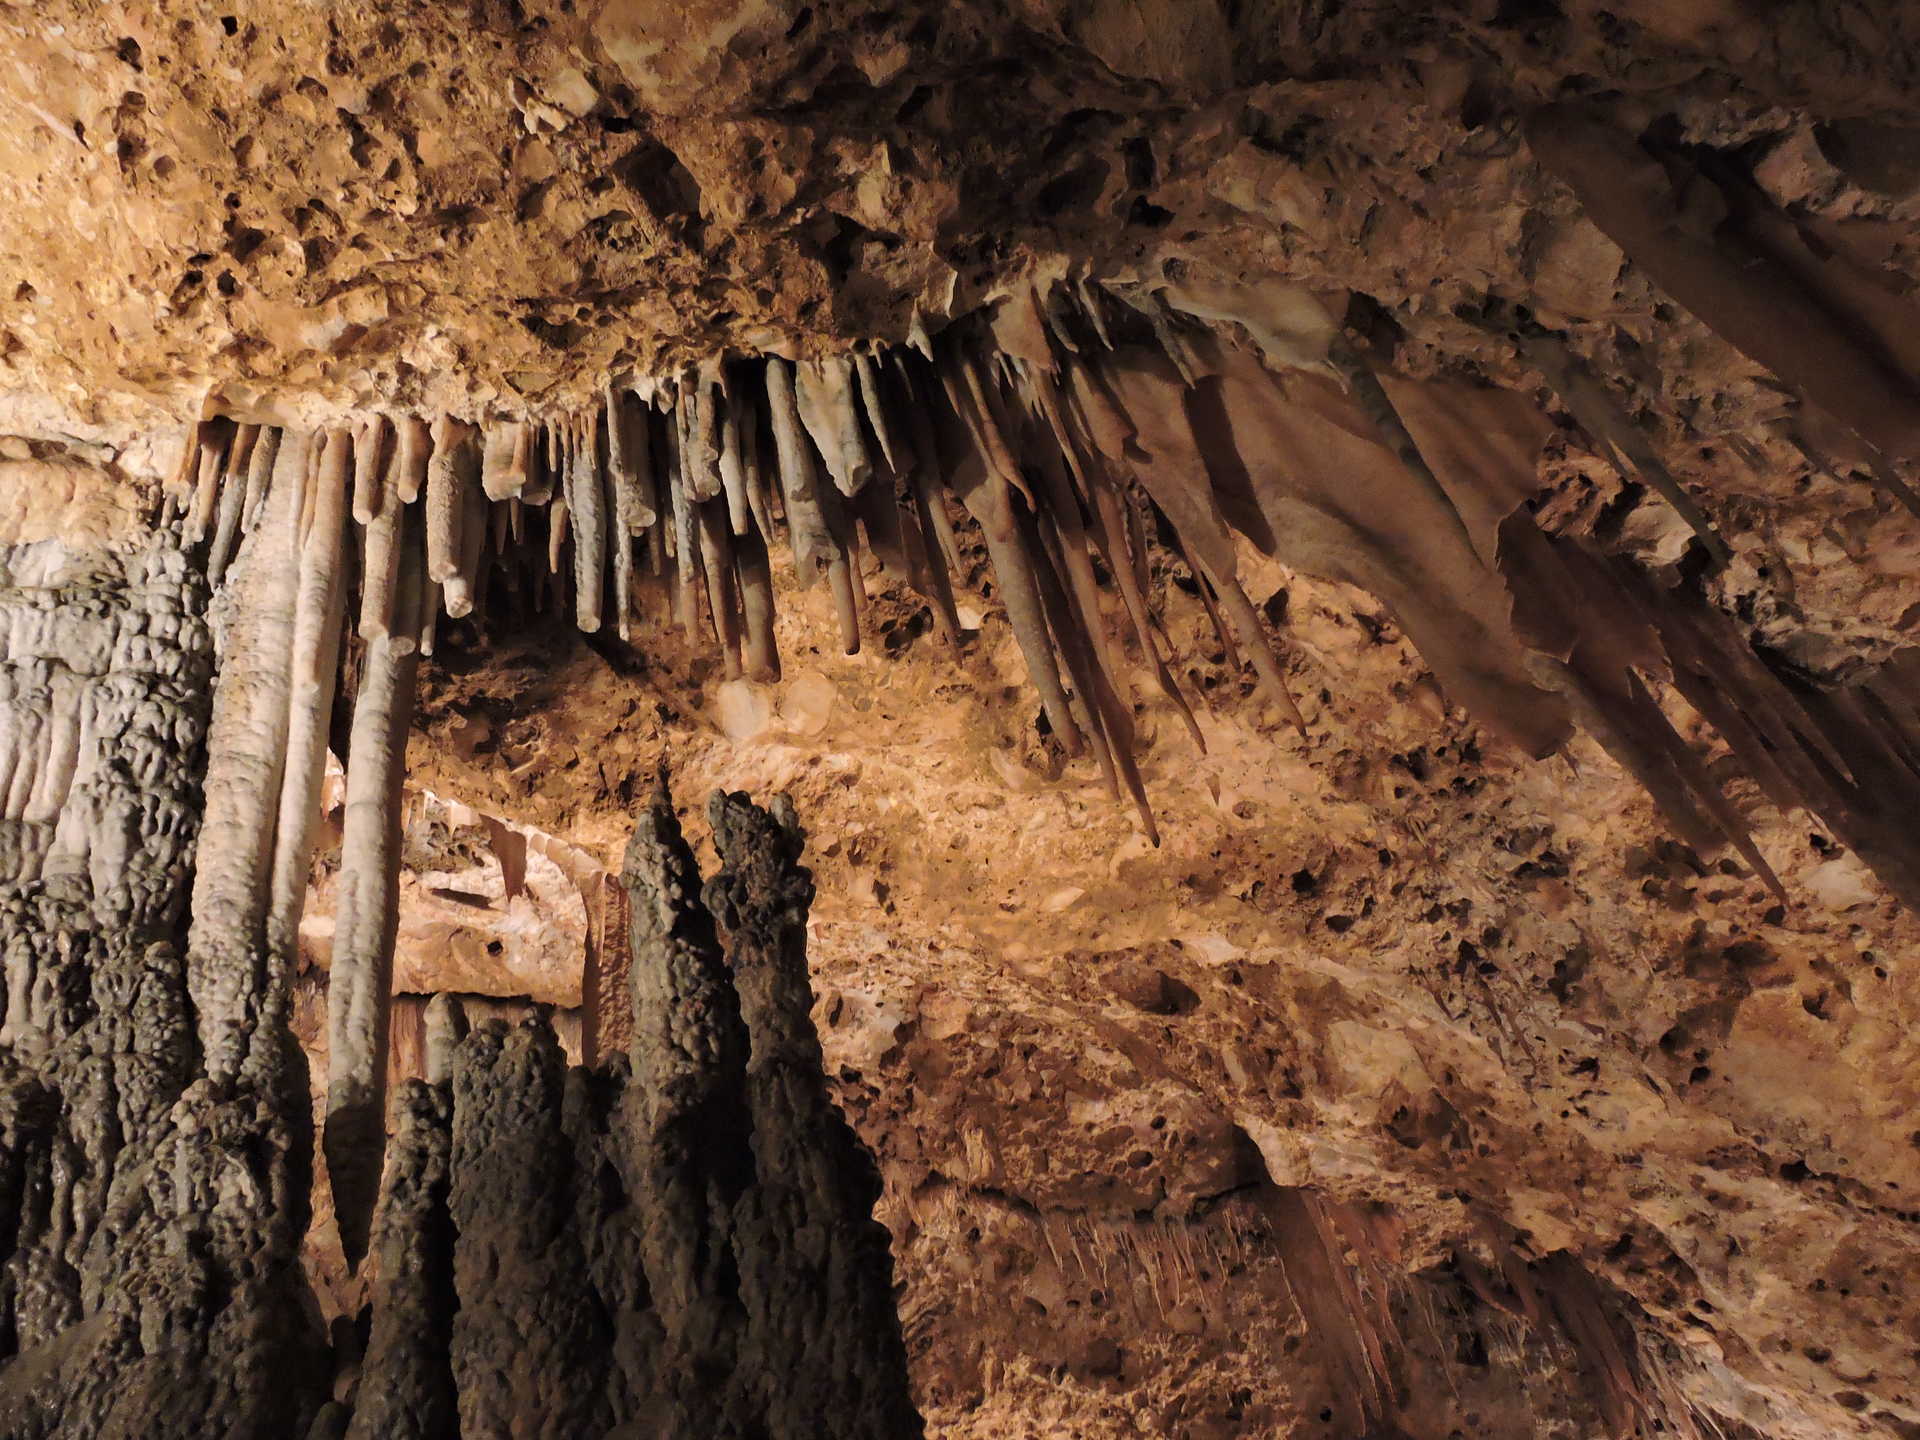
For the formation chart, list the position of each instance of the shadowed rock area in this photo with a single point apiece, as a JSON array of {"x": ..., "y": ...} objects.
[{"x": 1338, "y": 585}]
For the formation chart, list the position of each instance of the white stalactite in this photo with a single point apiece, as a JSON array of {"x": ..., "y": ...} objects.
[
  {"x": 444, "y": 500},
  {"x": 587, "y": 506},
  {"x": 371, "y": 442},
  {"x": 319, "y": 616},
  {"x": 366, "y": 916},
  {"x": 246, "y": 751}
]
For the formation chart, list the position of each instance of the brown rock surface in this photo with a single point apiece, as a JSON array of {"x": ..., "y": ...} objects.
[{"x": 1522, "y": 1045}]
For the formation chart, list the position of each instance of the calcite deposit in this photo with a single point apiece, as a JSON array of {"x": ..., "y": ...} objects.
[{"x": 1319, "y": 598}]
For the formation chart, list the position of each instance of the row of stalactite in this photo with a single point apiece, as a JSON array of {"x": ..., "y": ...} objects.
[{"x": 1089, "y": 446}]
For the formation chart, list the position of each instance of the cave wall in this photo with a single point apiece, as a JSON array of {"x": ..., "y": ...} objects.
[
  {"x": 1449, "y": 473},
  {"x": 152, "y": 1213}
]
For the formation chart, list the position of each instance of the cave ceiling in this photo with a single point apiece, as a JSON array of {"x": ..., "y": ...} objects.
[{"x": 1332, "y": 587}]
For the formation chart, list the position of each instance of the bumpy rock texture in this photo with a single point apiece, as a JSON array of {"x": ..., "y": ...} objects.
[
  {"x": 152, "y": 1213},
  {"x": 682, "y": 1248},
  {"x": 1451, "y": 475}
]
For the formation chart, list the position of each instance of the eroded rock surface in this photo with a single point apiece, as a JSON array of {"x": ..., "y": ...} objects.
[{"x": 1335, "y": 585}]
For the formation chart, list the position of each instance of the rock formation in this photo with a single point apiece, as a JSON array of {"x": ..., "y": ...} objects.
[
  {"x": 1335, "y": 584},
  {"x": 690, "y": 1252}
]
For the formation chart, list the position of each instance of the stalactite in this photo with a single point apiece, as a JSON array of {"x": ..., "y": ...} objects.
[
  {"x": 630, "y": 488},
  {"x": 372, "y": 444},
  {"x": 380, "y": 560},
  {"x": 1744, "y": 293},
  {"x": 753, "y": 462},
  {"x": 755, "y": 571},
  {"x": 359, "y": 990},
  {"x": 986, "y": 491},
  {"x": 699, "y": 438},
  {"x": 686, "y": 544},
  {"x": 559, "y": 523},
  {"x": 413, "y": 457},
  {"x": 211, "y": 462},
  {"x": 542, "y": 480},
  {"x": 1174, "y": 473},
  {"x": 318, "y": 617},
  {"x": 446, "y": 500},
  {"x": 873, "y": 404},
  {"x": 462, "y": 594},
  {"x": 1599, "y": 415},
  {"x": 814, "y": 547},
  {"x": 733, "y": 475},
  {"x": 587, "y": 510},
  {"x": 716, "y": 562},
  {"x": 829, "y": 411},
  {"x": 1120, "y": 564},
  {"x": 246, "y": 750},
  {"x": 266, "y": 451},
  {"x": 504, "y": 459},
  {"x": 1064, "y": 426},
  {"x": 233, "y": 495}
]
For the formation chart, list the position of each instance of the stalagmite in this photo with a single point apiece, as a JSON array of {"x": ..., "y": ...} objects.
[
  {"x": 813, "y": 1177},
  {"x": 359, "y": 992},
  {"x": 372, "y": 442},
  {"x": 406, "y": 1390},
  {"x": 319, "y": 614},
  {"x": 151, "y": 1191}
]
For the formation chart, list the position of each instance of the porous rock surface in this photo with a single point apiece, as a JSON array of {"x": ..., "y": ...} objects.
[{"x": 1521, "y": 1046}]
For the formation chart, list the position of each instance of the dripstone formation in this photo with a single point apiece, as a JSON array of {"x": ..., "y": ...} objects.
[
  {"x": 678, "y": 1244},
  {"x": 1337, "y": 585}
]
